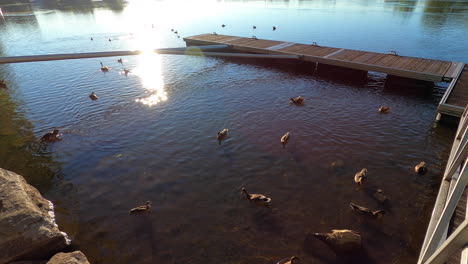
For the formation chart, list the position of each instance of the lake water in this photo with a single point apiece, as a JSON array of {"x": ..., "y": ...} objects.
[{"x": 151, "y": 134}]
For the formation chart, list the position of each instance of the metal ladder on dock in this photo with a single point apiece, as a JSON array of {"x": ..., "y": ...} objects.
[{"x": 439, "y": 248}]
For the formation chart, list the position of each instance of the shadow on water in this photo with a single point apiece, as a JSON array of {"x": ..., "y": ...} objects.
[
  {"x": 20, "y": 151},
  {"x": 316, "y": 249}
]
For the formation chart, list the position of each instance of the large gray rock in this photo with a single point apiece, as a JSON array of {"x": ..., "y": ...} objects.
[
  {"x": 76, "y": 257},
  {"x": 27, "y": 221}
]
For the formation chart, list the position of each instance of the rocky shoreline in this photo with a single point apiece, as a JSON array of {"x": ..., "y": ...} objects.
[{"x": 28, "y": 231}]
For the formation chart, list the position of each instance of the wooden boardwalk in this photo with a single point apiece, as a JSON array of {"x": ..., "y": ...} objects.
[
  {"x": 453, "y": 102},
  {"x": 403, "y": 66},
  {"x": 456, "y": 97}
]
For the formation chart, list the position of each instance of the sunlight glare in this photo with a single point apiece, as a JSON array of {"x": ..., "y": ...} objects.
[{"x": 149, "y": 70}]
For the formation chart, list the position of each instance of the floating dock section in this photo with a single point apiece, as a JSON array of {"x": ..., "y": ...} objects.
[{"x": 453, "y": 103}]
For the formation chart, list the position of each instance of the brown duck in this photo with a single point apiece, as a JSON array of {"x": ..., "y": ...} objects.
[
  {"x": 420, "y": 168},
  {"x": 51, "y": 136},
  {"x": 292, "y": 260},
  {"x": 341, "y": 240},
  {"x": 222, "y": 135},
  {"x": 104, "y": 68},
  {"x": 141, "y": 209},
  {"x": 384, "y": 109},
  {"x": 285, "y": 138},
  {"x": 254, "y": 197},
  {"x": 93, "y": 96},
  {"x": 297, "y": 100},
  {"x": 360, "y": 176},
  {"x": 366, "y": 211}
]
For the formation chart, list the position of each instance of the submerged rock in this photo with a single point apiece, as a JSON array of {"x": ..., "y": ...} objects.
[
  {"x": 76, "y": 257},
  {"x": 27, "y": 221}
]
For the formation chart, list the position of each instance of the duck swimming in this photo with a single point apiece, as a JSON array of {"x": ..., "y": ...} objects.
[
  {"x": 120, "y": 61},
  {"x": 384, "y": 109},
  {"x": 366, "y": 211},
  {"x": 93, "y": 96},
  {"x": 285, "y": 138},
  {"x": 104, "y": 68},
  {"x": 141, "y": 209},
  {"x": 51, "y": 136},
  {"x": 297, "y": 100},
  {"x": 420, "y": 168},
  {"x": 360, "y": 176},
  {"x": 126, "y": 71},
  {"x": 346, "y": 241},
  {"x": 291, "y": 260},
  {"x": 222, "y": 135},
  {"x": 257, "y": 198}
]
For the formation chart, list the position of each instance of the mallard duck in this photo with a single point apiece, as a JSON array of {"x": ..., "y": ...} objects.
[
  {"x": 92, "y": 38},
  {"x": 120, "y": 61},
  {"x": 223, "y": 25},
  {"x": 298, "y": 100},
  {"x": 384, "y": 109},
  {"x": 366, "y": 211},
  {"x": 360, "y": 176},
  {"x": 257, "y": 198},
  {"x": 254, "y": 27},
  {"x": 3, "y": 84},
  {"x": 175, "y": 32},
  {"x": 172, "y": 29},
  {"x": 222, "y": 135},
  {"x": 285, "y": 138},
  {"x": 141, "y": 209},
  {"x": 110, "y": 40},
  {"x": 126, "y": 71},
  {"x": 380, "y": 196},
  {"x": 104, "y": 68},
  {"x": 93, "y": 96},
  {"x": 51, "y": 136},
  {"x": 420, "y": 168},
  {"x": 291, "y": 260},
  {"x": 274, "y": 28},
  {"x": 341, "y": 240}
]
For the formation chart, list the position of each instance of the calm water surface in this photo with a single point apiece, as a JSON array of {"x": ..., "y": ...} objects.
[{"x": 151, "y": 134}]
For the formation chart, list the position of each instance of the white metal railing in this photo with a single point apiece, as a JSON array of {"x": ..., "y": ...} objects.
[{"x": 437, "y": 247}]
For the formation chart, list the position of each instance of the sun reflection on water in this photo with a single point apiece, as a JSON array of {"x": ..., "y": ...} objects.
[{"x": 149, "y": 70}]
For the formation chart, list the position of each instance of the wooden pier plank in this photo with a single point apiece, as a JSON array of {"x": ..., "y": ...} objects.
[
  {"x": 454, "y": 69},
  {"x": 409, "y": 67},
  {"x": 459, "y": 94}
]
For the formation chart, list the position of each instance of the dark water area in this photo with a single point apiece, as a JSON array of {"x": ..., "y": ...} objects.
[{"x": 151, "y": 134}]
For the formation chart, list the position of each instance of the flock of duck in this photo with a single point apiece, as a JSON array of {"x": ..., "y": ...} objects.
[
  {"x": 340, "y": 240},
  {"x": 253, "y": 27}
]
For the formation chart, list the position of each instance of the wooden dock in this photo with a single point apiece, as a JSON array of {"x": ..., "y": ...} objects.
[
  {"x": 403, "y": 66},
  {"x": 456, "y": 97},
  {"x": 453, "y": 102}
]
